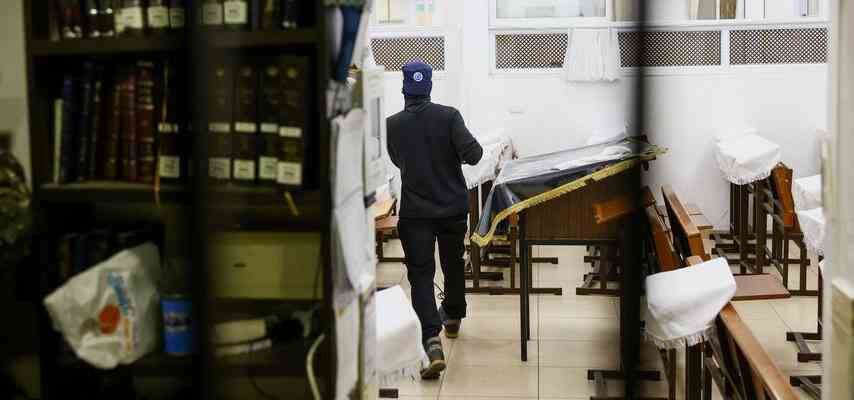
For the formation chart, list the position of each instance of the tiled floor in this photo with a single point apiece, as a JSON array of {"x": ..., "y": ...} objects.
[{"x": 570, "y": 334}]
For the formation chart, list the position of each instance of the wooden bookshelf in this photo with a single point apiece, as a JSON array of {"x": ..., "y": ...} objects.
[{"x": 208, "y": 207}]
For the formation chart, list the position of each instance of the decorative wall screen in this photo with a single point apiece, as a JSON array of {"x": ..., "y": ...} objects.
[
  {"x": 778, "y": 46},
  {"x": 530, "y": 50},
  {"x": 394, "y": 52},
  {"x": 670, "y": 48}
]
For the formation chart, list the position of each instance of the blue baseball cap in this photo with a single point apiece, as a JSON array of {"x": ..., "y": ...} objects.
[{"x": 417, "y": 78}]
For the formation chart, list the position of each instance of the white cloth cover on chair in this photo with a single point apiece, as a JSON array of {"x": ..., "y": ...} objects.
[
  {"x": 591, "y": 55},
  {"x": 683, "y": 303},
  {"x": 400, "y": 351},
  {"x": 807, "y": 192},
  {"x": 746, "y": 159},
  {"x": 814, "y": 227}
]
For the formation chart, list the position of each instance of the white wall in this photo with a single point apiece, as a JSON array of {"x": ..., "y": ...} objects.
[
  {"x": 13, "y": 83},
  {"x": 684, "y": 111}
]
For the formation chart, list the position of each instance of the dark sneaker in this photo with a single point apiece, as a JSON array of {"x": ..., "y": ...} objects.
[
  {"x": 452, "y": 326},
  {"x": 433, "y": 347}
]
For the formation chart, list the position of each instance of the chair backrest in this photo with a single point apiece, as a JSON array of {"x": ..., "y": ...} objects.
[
  {"x": 667, "y": 259},
  {"x": 738, "y": 363},
  {"x": 781, "y": 187},
  {"x": 686, "y": 237}
]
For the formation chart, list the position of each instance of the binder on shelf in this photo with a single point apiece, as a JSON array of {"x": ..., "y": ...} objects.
[
  {"x": 68, "y": 158},
  {"x": 113, "y": 127},
  {"x": 133, "y": 17},
  {"x": 293, "y": 133},
  {"x": 236, "y": 14},
  {"x": 245, "y": 124},
  {"x": 170, "y": 159},
  {"x": 128, "y": 150},
  {"x": 157, "y": 16},
  {"x": 269, "y": 104},
  {"x": 57, "y": 138},
  {"x": 96, "y": 125},
  {"x": 106, "y": 18},
  {"x": 211, "y": 13},
  {"x": 220, "y": 123}
]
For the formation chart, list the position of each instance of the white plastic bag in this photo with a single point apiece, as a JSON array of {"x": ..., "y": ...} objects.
[{"x": 109, "y": 314}]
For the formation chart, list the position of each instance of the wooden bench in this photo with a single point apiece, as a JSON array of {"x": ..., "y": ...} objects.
[
  {"x": 780, "y": 205},
  {"x": 736, "y": 362},
  {"x": 385, "y": 228},
  {"x": 687, "y": 244}
]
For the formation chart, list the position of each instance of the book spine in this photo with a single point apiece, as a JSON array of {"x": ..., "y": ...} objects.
[
  {"x": 67, "y": 159},
  {"x": 129, "y": 139},
  {"x": 169, "y": 160},
  {"x": 292, "y": 130},
  {"x": 57, "y": 138},
  {"x": 220, "y": 125},
  {"x": 79, "y": 262},
  {"x": 271, "y": 15},
  {"x": 133, "y": 17},
  {"x": 106, "y": 18},
  {"x": 112, "y": 140},
  {"x": 64, "y": 259},
  {"x": 211, "y": 13},
  {"x": 96, "y": 125},
  {"x": 177, "y": 15},
  {"x": 290, "y": 14},
  {"x": 245, "y": 125},
  {"x": 157, "y": 15},
  {"x": 93, "y": 18},
  {"x": 236, "y": 14},
  {"x": 84, "y": 122},
  {"x": 145, "y": 123},
  {"x": 269, "y": 105}
]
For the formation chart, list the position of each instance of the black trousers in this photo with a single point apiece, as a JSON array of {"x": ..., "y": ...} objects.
[{"x": 419, "y": 237}]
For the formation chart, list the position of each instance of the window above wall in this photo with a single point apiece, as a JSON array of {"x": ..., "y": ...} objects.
[
  {"x": 547, "y": 13},
  {"x": 397, "y": 14}
]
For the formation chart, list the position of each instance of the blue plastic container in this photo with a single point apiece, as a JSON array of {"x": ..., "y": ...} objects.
[{"x": 177, "y": 325}]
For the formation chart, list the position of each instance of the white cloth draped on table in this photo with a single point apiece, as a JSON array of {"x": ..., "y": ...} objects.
[
  {"x": 682, "y": 303},
  {"x": 814, "y": 227},
  {"x": 496, "y": 151},
  {"x": 592, "y": 55},
  {"x": 400, "y": 353},
  {"x": 807, "y": 192},
  {"x": 746, "y": 159}
]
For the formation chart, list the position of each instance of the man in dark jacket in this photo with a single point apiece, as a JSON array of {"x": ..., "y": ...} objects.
[{"x": 429, "y": 143}]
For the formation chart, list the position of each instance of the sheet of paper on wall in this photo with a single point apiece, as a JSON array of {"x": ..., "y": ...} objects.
[
  {"x": 347, "y": 139},
  {"x": 369, "y": 338},
  {"x": 350, "y": 225},
  {"x": 347, "y": 350}
]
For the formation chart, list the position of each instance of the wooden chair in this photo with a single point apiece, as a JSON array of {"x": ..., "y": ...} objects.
[{"x": 786, "y": 229}]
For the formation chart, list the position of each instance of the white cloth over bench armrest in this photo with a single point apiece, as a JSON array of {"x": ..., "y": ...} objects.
[
  {"x": 807, "y": 192},
  {"x": 683, "y": 303},
  {"x": 746, "y": 159},
  {"x": 814, "y": 227},
  {"x": 400, "y": 353}
]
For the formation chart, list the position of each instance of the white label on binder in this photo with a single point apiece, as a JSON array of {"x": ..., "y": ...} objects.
[
  {"x": 290, "y": 131},
  {"x": 132, "y": 17},
  {"x": 290, "y": 173},
  {"x": 169, "y": 167},
  {"x": 244, "y": 170},
  {"x": 176, "y": 17},
  {"x": 212, "y": 14},
  {"x": 267, "y": 167},
  {"x": 267, "y": 127},
  {"x": 158, "y": 17},
  {"x": 219, "y": 127},
  {"x": 235, "y": 12},
  {"x": 165, "y": 127},
  {"x": 219, "y": 167},
  {"x": 245, "y": 127}
]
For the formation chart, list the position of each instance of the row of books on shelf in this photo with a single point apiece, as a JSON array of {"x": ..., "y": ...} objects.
[
  {"x": 82, "y": 249},
  {"x": 76, "y": 19},
  {"x": 128, "y": 123}
]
